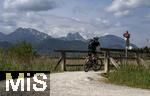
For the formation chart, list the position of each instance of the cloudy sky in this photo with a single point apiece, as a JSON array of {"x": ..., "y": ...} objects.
[{"x": 89, "y": 17}]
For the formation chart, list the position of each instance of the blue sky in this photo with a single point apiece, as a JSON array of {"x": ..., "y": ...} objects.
[{"x": 89, "y": 17}]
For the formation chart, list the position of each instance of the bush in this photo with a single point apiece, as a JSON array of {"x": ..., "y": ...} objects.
[
  {"x": 131, "y": 75},
  {"x": 21, "y": 52}
]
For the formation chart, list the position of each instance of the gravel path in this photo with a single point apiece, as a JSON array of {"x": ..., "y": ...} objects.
[
  {"x": 88, "y": 84},
  {"x": 80, "y": 84}
]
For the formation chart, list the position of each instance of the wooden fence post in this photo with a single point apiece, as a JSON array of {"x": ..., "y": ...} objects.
[
  {"x": 60, "y": 59},
  {"x": 121, "y": 61},
  {"x": 107, "y": 62},
  {"x": 63, "y": 65},
  {"x": 137, "y": 58}
]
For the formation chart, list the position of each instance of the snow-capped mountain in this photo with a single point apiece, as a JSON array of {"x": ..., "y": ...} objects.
[
  {"x": 26, "y": 34},
  {"x": 45, "y": 43},
  {"x": 73, "y": 36}
]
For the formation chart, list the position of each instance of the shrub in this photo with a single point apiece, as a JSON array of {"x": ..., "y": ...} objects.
[{"x": 22, "y": 52}]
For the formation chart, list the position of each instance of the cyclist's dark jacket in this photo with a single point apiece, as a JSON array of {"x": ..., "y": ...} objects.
[{"x": 92, "y": 45}]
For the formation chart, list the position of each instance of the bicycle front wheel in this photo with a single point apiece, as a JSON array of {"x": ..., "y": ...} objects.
[{"x": 87, "y": 66}]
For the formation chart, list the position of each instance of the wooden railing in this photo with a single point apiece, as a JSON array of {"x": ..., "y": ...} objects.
[{"x": 107, "y": 57}]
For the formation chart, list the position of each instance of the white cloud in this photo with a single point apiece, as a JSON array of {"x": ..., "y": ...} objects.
[
  {"x": 29, "y": 5},
  {"x": 106, "y": 34},
  {"x": 102, "y": 21},
  {"x": 89, "y": 18},
  {"x": 123, "y": 7},
  {"x": 123, "y": 13}
]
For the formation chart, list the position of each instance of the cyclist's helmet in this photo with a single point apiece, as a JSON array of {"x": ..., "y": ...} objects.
[{"x": 95, "y": 38}]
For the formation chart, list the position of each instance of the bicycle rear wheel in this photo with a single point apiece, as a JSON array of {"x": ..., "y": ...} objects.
[{"x": 97, "y": 65}]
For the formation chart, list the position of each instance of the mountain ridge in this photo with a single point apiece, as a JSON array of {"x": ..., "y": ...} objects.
[
  {"x": 45, "y": 43},
  {"x": 25, "y": 34}
]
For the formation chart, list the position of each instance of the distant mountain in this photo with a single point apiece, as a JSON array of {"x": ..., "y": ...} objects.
[
  {"x": 26, "y": 34},
  {"x": 50, "y": 44},
  {"x": 112, "y": 41},
  {"x": 5, "y": 45},
  {"x": 73, "y": 36},
  {"x": 2, "y": 36},
  {"x": 108, "y": 41},
  {"x": 46, "y": 44}
]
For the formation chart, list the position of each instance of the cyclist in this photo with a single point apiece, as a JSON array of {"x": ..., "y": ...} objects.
[{"x": 92, "y": 46}]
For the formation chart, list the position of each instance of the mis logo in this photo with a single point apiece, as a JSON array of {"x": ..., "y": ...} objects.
[{"x": 26, "y": 81}]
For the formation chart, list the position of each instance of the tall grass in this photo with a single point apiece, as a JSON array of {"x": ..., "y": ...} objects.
[
  {"x": 131, "y": 75},
  {"x": 22, "y": 57},
  {"x": 37, "y": 64}
]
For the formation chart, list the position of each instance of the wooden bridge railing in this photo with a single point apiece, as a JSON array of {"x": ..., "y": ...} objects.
[{"x": 107, "y": 57}]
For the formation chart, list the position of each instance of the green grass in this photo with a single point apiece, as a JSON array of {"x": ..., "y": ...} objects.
[
  {"x": 131, "y": 75},
  {"x": 38, "y": 64}
]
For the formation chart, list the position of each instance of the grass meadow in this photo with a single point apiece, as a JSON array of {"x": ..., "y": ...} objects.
[{"x": 131, "y": 75}]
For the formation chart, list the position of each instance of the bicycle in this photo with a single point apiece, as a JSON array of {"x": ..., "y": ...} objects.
[{"x": 92, "y": 62}]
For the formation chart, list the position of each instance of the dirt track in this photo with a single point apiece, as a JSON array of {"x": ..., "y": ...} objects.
[
  {"x": 80, "y": 84},
  {"x": 88, "y": 84}
]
